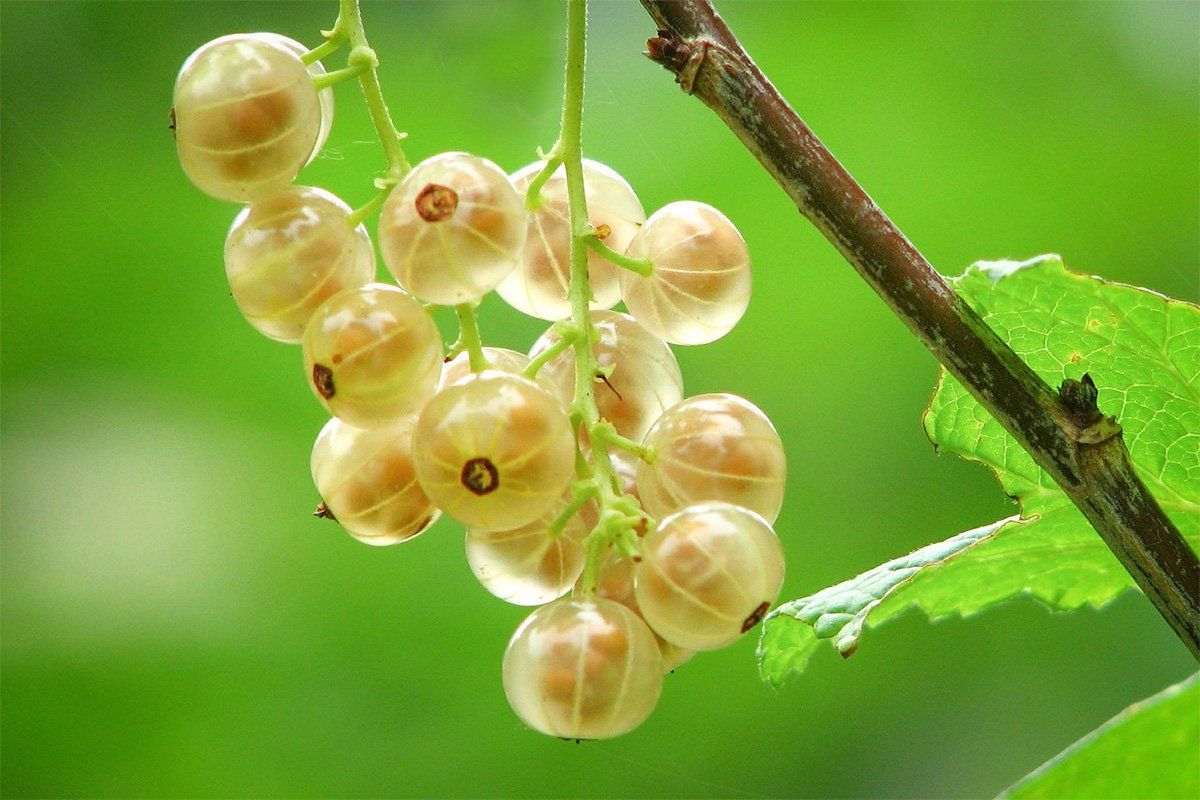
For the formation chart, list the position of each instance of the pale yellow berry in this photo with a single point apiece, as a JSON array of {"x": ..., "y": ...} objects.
[
  {"x": 453, "y": 229},
  {"x": 315, "y": 69},
  {"x": 498, "y": 358},
  {"x": 538, "y": 286},
  {"x": 494, "y": 451},
  {"x": 644, "y": 382},
  {"x": 708, "y": 574},
  {"x": 372, "y": 354},
  {"x": 714, "y": 447},
  {"x": 367, "y": 480},
  {"x": 700, "y": 285},
  {"x": 528, "y": 566},
  {"x": 616, "y": 583},
  {"x": 582, "y": 669},
  {"x": 288, "y": 253},
  {"x": 247, "y": 117}
]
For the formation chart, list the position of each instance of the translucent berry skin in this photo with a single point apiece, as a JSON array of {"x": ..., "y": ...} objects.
[
  {"x": 498, "y": 358},
  {"x": 645, "y": 379},
  {"x": 247, "y": 117},
  {"x": 494, "y": 451},
  {"x": 708, "y": 574},
  {"x": 700, "y": 286},
  {"x": 453, "y": 229},
  {"x": 582, "y": 669},
  {"x": 714, "y": 447},
  {"x": 372, "y": 354},
  {"x": 527, "y": 566},
  {"x": 538, "y": 286},
  {"x": 616, "y": 583},
  {"x": 367, "y": 479},
  {"x": 315, "y": 69},
  {"x": 288, "y": 253}
]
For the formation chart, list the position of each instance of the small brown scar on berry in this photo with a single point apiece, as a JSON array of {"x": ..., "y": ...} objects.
[
  {"x": 435, "y": 203},
  {"x": 755, "y": 616},
  {"x": 171, "y": 115},
  {"x": 322, "y": 512},
  {"x": 603, "y": 231},
  {"x": 322, "y": 378},
  {"x": 480, "y": 476}
]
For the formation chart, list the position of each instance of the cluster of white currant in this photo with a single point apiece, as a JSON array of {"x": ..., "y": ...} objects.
[{"x": 492, "y": 437}]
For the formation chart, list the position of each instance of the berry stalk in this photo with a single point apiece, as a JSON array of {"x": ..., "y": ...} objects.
[{"x": 618, "y": 514}]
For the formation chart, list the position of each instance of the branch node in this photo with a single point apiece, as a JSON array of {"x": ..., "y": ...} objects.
[
  {"x": 684, "y": 57},
  {"x": 1088, "y": 423}
]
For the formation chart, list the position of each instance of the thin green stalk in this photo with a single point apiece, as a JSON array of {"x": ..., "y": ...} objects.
[
  {"x": 326, "y": 48},
  {"x": 349, "y": 24},
  {"x": 339, "y": 76},
  {"x": 641, "y": 266},
  {"x": 349, "y": 28},
  {"x": 566, "y": 338},
  {"x": 469, "y": 336},
  {"x": 616, "y": 510}
]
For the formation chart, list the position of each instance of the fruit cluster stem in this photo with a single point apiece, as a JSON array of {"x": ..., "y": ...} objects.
[
  {"x": 349, "y": 25},
  {"x": 364, "y": 63},
  {"x": 617, "y": 513}
]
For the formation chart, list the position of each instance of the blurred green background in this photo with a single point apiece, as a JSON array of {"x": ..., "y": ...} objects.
[{"x": 176, "y": 624}]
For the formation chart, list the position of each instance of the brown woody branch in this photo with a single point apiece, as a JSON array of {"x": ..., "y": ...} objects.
[{"x": 1064, "y": 431}]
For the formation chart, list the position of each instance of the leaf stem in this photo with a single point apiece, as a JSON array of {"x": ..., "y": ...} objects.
[{"x": 709, "y": 62}]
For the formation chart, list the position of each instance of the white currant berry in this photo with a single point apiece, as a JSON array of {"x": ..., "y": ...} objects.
[
  {"x": 708, "y": 574},
  {"x": 582, "y": 669},
  {"x": 372, "y": 354},
  {"x": 368, "y": 482},
  {"x": 288, "y": 253},
  {"x": 700, "y": 285},
  {"x": 247, "y": 117},
  {"x": 538, "y": 286},
  {"x": 498, "y": 358},
  {"x": 315, "y": 69},
  {"x": 615, "y": 582},
  {"x": 528, "y": 566},
  {"x": 644, "y": 382},
  {"x": 714, "y": 447},
  {"x": 494, "y": 451},
  {"x": 453, "y": 229}
]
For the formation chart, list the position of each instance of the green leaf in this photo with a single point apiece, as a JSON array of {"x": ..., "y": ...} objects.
[
  {"x": 1142, "y": 350},
  {"x": 1151, "y": 749}
]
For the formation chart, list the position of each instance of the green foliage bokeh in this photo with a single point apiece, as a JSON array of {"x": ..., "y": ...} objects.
[{"x": 175, "y": 623}]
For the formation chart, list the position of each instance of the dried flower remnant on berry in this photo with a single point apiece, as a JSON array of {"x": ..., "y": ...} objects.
[
  {"x": 435, "y": 203},
  {"x": 322, "y": 378},
  {"x": 756, "y": 616},
  {"x": 480, "y": 476}
]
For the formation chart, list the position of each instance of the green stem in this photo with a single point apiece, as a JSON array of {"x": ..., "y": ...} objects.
[
  {"x": 641, "y": 266},
  {"x": 469, "y": 336},
  {"x": 368, "y": 209},
  {"x": 584, "y": 491},
  {"x": 617, "y": 512},
  {"x": 350, "y": 25},
  {"x": 338, "y": 76},
  {"x": 604, "y": 430},
  {"x": 566, "y": 338},
  {"x": 533, "y": 194},
  {"x": 326, "y": 48}
]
